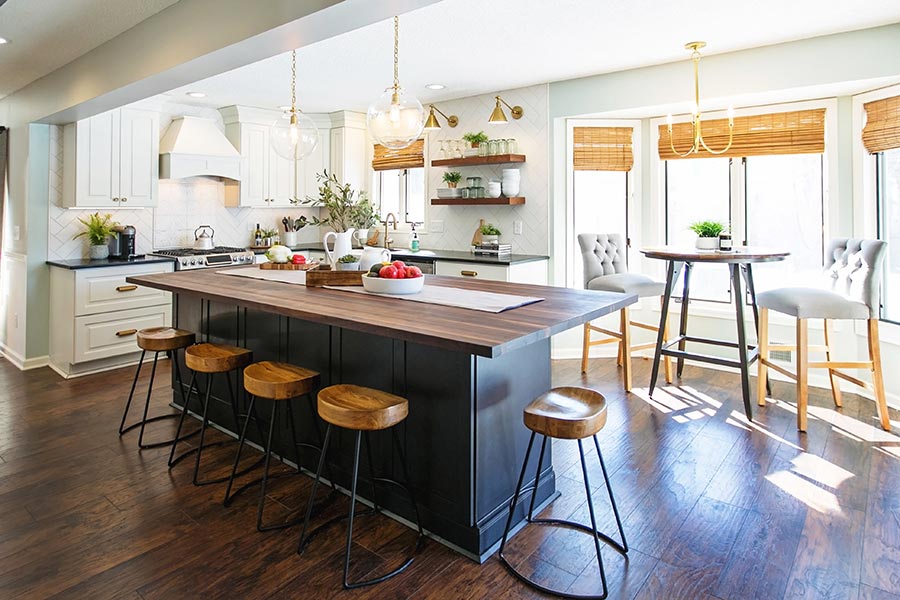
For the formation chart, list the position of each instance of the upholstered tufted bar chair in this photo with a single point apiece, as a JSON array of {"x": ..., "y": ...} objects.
[
  {"x": 853, "y": 280},
  {"x": 605, "y": 269}
]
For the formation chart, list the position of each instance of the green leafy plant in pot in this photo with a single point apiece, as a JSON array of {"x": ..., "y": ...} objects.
[
  {"x": 490, "y": 235},
  {"x": 707, "y": 234},
  {"x": 98, "y": 229},
  {"x": 475, "y": 139},
  {"x": 348, "y": 262},
  {"x": 451, "y": 178}
]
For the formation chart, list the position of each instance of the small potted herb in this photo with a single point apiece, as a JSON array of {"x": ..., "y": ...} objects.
[
  {"x": 707, "y": 234},
  {"x": 348, "y": 262},
  {"x": 475, "y": 139},
  {"x": 363, "y": 217},
  {"x": 451, "y": 178},
  {"x": 490, "y": 235},
  {"x": 99, "y": 228}
]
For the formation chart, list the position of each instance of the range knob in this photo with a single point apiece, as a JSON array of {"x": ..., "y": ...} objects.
[
  {"x": 184, "y": 261},
  {"x": 193, "y": 261}
]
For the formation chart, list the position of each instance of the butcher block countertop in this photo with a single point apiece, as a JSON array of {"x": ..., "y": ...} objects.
[{"x": 458, "y": 329}]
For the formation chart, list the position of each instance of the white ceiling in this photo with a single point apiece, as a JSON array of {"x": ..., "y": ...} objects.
[
  {"x": 46, "y": 34},
  {"x": 474, "y": 47}
]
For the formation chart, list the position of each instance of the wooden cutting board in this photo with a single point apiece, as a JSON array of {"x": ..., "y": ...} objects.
[
  {"x": 318, "y": 278},
  {"x": 271, "y": 266}
]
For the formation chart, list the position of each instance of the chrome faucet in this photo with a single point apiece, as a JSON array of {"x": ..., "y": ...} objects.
[{"x": 393, "y": 218}]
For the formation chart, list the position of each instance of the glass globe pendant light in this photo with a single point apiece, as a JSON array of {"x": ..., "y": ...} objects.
[
  {"x": 293, "y": 136},
  {"x": 396, "y": 119}
]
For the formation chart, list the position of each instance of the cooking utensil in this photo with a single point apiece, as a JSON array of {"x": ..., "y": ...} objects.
[
  {"x": 203, "y": 238},
  {"x": 285, "y": 221}
]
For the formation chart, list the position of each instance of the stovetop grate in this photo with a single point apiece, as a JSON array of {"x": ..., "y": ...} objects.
[{"x": 193, "y": 252}]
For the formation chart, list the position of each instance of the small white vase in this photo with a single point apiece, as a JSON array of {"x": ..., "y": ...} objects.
[
  {"x": 342, "y": 245},
  {"x": 99, "y": 252},
  {"x": 354, "y": 266},
  {"x": 707, "y": 243}
]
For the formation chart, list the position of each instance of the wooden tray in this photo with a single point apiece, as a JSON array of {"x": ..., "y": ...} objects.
[
  {"x": 320, "y": 277},
  {"x": 270, "y": 266}
]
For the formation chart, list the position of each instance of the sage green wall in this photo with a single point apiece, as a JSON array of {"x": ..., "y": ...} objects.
[{"x": 37, "y": 325}]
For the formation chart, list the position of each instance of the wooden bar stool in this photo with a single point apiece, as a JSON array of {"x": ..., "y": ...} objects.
[
  {"x": 210, "y": 359},
  {"x": 569, "y": 413},
  {"x": 156, "y": 340},
  {"x": 280, "y": 383},
  {"x": 361, "y": 409}
]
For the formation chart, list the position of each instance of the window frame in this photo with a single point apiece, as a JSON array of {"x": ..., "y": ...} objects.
[{"x": 378, "y": 183}]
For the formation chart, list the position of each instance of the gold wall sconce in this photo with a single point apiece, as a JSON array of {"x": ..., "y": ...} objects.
[
  {"x": 432, "y": 123},
  {"x": 498, "y": 116}
]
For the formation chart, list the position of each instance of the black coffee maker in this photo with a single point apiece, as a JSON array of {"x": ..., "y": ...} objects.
[{"x": 122, "y": 245}]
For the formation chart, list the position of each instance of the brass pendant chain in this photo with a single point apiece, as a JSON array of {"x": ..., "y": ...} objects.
[
  {"x": 293, "y": 81},
  {"x": 396, "y": 52}
]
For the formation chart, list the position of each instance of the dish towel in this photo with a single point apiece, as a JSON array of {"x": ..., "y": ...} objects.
[{"x": 451, "y": 296}]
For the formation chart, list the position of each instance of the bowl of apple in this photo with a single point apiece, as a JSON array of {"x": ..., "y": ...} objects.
[{"x": 393, "y": 278}]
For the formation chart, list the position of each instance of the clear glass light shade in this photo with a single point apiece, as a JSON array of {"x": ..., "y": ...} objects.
[
  {"x": 293, "y": 140},
  {"x": 396, "y": 120}
]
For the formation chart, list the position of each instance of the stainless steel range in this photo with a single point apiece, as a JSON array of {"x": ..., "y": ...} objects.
[{"x": 220, "y": 256}]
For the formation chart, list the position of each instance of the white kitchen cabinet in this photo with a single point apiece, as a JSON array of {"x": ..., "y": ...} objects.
[
  {"x": 111, "y": 160},
  {"x": 268, "y": 180},
  {"x": 534, "y": 272},
  {"x": 351, "y": 156},
  {"x": 95, "y": 315}
]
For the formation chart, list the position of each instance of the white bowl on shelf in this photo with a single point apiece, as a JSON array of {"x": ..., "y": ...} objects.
[{"x": 379, "y": 285}]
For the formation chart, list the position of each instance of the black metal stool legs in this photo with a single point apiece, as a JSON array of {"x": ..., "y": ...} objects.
[{"x": 598, "y": 536}]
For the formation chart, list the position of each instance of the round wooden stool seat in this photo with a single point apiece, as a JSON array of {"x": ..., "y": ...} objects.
[
  {"x": 216, "y": 358},
  {"x": 570, "y": 413},
  {"x": 361, "y": 408},
  {"x": 279, "y": 381},
  {"x": 162, "y": 339}
]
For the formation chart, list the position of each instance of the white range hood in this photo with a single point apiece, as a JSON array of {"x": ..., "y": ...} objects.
[{"x": 193, "y": 146}]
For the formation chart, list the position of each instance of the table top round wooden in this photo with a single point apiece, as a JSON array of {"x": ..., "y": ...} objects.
[{"x": 740, "y": 254}]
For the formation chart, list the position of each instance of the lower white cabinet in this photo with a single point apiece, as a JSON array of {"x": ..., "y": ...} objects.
[
  {"x": 534, "y": 272},
  {"x": 95, "y": 316}
]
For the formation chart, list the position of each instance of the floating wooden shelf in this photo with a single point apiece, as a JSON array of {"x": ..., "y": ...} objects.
[
  {"x": 474, "y": 161},
  {"x": 478, "y": 201}
]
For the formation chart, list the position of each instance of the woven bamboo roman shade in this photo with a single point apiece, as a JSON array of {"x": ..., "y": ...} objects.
[
  {"x": 797, "y": 132},
  {"x": 410, "y": 157},
  {"x": 602, "y": 149},
  {"x": 882, "y": 130}
]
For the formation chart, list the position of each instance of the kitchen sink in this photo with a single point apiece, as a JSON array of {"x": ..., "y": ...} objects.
[{"x": 410, "y": 252}]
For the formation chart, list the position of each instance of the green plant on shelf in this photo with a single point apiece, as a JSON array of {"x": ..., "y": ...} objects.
[
  {"x": 476, "y": 139},
  {"x": 99, "y": 228},
  {"x": 707, "y": 229},
  {"x": 452, "y": 177}
]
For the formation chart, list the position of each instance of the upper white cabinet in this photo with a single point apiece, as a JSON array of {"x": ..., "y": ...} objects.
[
  {"x": 268, "y": 180},
  {"x": 112, "y": 160},
  {"x": 351, "y": 155}
]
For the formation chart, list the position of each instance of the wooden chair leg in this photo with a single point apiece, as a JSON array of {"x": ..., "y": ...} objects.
[
  {"x": 667, "y": 360},
  {"x": 802, "y": 372},
  {"x": 625, "y": 320},
  {"x": 762, "y": 370},
  {"x": 619, "y": 353},
  {"x": 835, "y": 383},
  {"x": 586, "y": 347},
  {"x": 877, "y": 376}
]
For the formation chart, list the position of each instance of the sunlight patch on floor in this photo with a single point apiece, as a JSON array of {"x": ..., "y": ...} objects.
[{"x": 813, "y": 496}]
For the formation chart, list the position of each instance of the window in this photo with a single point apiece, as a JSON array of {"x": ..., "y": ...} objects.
[
  {"x": 888, "y": 195},
  {"x": 402, "y": 192},
  {"x": 600, "y": 206}
]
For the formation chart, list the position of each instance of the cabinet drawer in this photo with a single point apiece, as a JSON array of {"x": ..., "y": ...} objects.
[
  {"x": 471, "y": 270},
  {"x": 113, "y": 334},
  {"x": 104, "y": 290}
]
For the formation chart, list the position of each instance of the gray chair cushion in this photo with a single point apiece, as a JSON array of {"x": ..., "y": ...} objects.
[
  {"x": 602, "y": 254},
  {"x": 628, "y": 283},
  {"x": 811, "y": 303},
  {"x": 854, "y": 267}
]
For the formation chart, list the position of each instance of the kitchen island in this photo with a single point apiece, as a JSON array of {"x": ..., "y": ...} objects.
[{"x": 467, "y": 375}]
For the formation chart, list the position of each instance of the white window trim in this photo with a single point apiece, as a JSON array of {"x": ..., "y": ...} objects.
[
  {"x": 634, "y": 190},
  {"x": 865, "y": 202},
  {"x": 402, "y": 226}
]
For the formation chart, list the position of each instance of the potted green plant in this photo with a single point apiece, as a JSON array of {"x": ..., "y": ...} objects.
[
  {"x": 98, "y": 229},
  {"x": 707, "y": 234},
  {"x": 364, "y": 216},
  {"x": 340, "y": 200},
  {"x": 348, "y": 262},
  {"x": 490, "y": 235},
  {"x": 475, "y": 139},
  {"x": 451, "y": 178}
]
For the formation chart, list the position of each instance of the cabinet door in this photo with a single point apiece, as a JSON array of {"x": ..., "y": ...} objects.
[
  {"x": 472, "y": 270},
  {"x": 282, "y": 179},
  {"x": 254, "y": 165},
  {"x": 313, "y": 165},
  {"x": 97, "y": 160},
  {"x": 139, "y": 158}
]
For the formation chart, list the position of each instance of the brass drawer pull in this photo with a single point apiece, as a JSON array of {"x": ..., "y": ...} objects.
[
  {"x": 126, "y": 332},
  {"x": 126, "y": 288},
  {"x": 469, "y": 273}
]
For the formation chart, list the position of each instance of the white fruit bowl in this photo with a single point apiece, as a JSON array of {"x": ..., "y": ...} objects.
[{"x": 378, "y": 285}]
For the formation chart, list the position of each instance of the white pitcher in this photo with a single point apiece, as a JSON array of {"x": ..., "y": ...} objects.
[
  {"x": 372, "y": 255},
  {"x": 342, "y": 245}
]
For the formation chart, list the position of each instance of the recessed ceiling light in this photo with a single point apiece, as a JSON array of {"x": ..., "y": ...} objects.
[
  {"x": 435, "y": 86},
  {"x": 197, "y": 94},
  {"x": 3, "y": 40}
]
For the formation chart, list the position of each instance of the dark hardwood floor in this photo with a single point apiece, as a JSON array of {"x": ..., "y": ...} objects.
[{"x": 713, "y": 506}]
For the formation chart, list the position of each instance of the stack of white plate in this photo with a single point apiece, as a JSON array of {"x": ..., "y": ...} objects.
[
  {"x": 449, "y": 193},
  {"x": 510, "y": 182}
]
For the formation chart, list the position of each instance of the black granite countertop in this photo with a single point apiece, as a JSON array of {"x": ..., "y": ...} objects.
[
  {"x": 433, "y": 255},
  {"x": 89, "y": 263}
]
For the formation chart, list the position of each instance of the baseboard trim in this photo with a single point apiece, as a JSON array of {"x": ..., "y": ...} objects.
[{"x": 22, "y": 363}]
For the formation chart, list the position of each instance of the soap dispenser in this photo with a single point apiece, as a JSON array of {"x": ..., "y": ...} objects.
[{"x": 414, "y": 239}]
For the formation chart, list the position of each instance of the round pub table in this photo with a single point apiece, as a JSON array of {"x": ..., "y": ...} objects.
[{"x": 739, "y": 261}]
